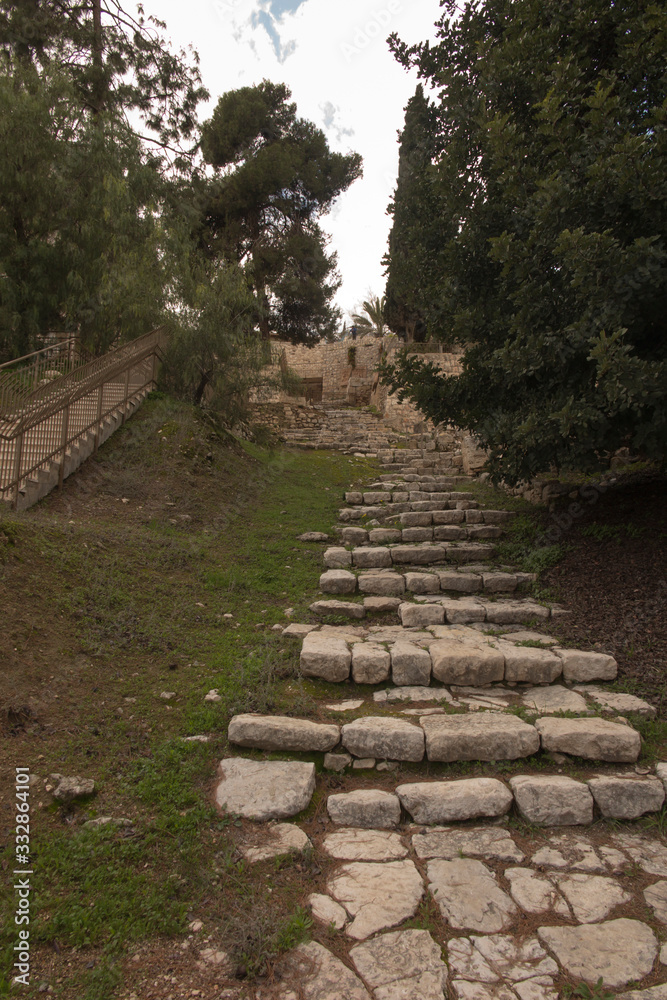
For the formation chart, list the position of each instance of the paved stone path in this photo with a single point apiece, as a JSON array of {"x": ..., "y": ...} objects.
[{"x": 510, "y": 886}]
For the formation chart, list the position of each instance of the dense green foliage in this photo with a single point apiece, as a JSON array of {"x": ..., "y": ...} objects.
[
  {"x": 87, "y": 244},
  {"x": 549, "y": 176},
  {"x": 371, "y": 319},
  {"x": 275, "y": 177},
  {"x": 415, "y": 232}
]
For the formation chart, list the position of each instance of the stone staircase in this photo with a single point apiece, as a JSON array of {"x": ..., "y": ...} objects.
[{"x": 459, "y": 673}]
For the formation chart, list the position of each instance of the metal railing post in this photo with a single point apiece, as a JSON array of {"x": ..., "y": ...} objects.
[
  {"x": 99, "y": 419},
  {"x": 127, "y": 391},
  {"x": 18, "y": 454},
  {"x": 63, "y": 446}
]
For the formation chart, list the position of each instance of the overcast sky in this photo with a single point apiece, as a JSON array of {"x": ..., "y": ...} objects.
[{"x": 333, "y": 56}]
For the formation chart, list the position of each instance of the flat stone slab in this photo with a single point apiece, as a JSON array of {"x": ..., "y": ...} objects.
[
  {"x": 280, "y": 732},
  {"x": 554, "y": 698},
  {"x": 618, "y": 951},
  {"x": 535, "y": 894},
  {"x": 650, "y": 855},
  {"x": 413, "y": 693},
  {"x": 297, "y": 630},
  {"x": 326, "y": 656},
  {"x": 327, "y": 911},
  {"x": 499, "y": 957},
  {"x": 595, "y": 739},
  {"x": 514, "y": 612},
  {"x": 318, "y": 975},
  {"x": 450, "y": 843},
  {"x": 313, "y": 536},
  {"x": 264, "y": 789},
  {"x": 466, "y": 663},
  {"x": 350, "y": 705},
  {"x": 651, "y": 993},
  {"x": 444, "y": 801},
  {"x": 281, "y": 838},
  {"x": 555, "y": 800},
  {"x": 347, "y": 608},
  {"x": 582, "y": 666},
  {"x": 469, "y": 896},
  {"x": 402, "y": 965},
  {"x": 656, "y": 897},
  {"x": 338, "y": 581},
  {"x": 365, "y": 807},
  {"x": 627, "y": 797},
  {"x": 382, "y": 605},
  {"x": 364, "y": 845},
  {"x": 485, "y": 736},
  {"x": 377, "y": 896},
  {"x": 592, "y": 897},
  {"x": 617, "y": 701},
  {"x": 385, "y": 738}
]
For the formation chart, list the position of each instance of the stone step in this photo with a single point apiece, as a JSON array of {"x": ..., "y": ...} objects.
[
  {"x": 447, "y": 654},
  {"x": 449, "y": 738}
]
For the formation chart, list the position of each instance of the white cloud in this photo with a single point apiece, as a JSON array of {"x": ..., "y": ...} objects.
[{"x": 334, "y": 57}]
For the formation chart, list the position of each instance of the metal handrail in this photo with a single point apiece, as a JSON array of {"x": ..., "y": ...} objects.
[{"x": 53, "y": 416}]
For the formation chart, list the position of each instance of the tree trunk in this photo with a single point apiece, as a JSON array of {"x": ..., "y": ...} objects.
[{"x": 98, "y": 67}]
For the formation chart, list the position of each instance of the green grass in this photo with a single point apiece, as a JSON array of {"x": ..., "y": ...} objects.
[{"x": 141, "y": 602}]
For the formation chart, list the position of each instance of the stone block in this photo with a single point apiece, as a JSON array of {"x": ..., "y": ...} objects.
[
  {"x": 417, "y": 534},
  {"x": 627, "y": 797},
  {"x": 338, "y": 581},
  {"x": 581, "y": 666},
  {"x": 378, "y": 497},
  {"x": 371, "y": 557},
  {"x": 370, "y": 663},
  {"x": 421, "y": 614},
  {"x": 529, "y": 665},
  {"x": 459, "y": 611},
  {"x": 383, "y": 536},
  {"x": 354, "y": 536},
  {"x": 449, "y": 533},
  {"x": 368, "y": 808},
  {"x": 449, "y": 517},
  {"x": 416, "y": 519},
  {"x": 384, "y": 738},
  {"x": 458, "y": 662},
  {"x": 337, "y": 558},
  {"x": 384, "y": 584},
  {"x": 552, "y": 801},
  {"x": 482, "y": 736},
  {"x": 474, "y": 516},
  {"x": 483, "y": 531},
  {"x": 594, "y": 739},
  {"x": 410, "y": 665},
  {"x": 499, "y": 583},
  {"x": 279, "y": 732},
  {"x": 418, "y": 555},
  {"x": 463, "y": 583},
  {"x": 325, "y": 656},
  {"x": 470, "y": 553},
  {"x": 353, "y": 497},
  {"x": 422, "y": 583},
  {"x": 446, "y": 801},
  {"x": 514, "y": 612}
]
